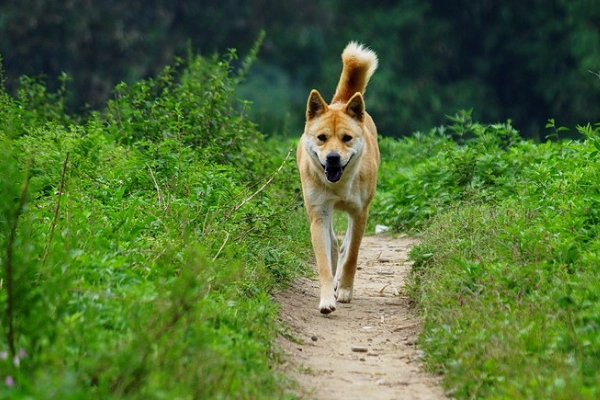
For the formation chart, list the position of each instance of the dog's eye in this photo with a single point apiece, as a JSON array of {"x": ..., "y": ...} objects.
[
  {"x": 347, "y": 138},
  {"x": 322, "y": 138}
]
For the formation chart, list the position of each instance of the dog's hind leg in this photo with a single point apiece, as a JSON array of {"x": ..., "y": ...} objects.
[
  {"x": 349, "y": 257},
  {"x": 343, "y": 252},
  {"x": 335, "y": 254}
]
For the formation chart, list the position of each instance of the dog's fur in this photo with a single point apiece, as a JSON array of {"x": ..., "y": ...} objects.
[{"x": 338, "y": 158}]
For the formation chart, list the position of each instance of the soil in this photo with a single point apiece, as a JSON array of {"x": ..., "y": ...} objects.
[{"x": 366, "y": 349}]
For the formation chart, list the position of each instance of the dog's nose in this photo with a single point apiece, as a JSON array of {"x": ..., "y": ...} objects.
[{"x": 333, "y": 159}]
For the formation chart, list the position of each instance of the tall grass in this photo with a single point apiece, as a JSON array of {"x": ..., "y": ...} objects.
[
  {"x": 506, "y": 274},
  {"x": 139, "y": 245}
]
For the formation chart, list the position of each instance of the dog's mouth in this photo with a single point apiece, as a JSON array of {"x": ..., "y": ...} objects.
[
  {"x": 333, "y": 167},
  {"x": 333, "y": 173}
]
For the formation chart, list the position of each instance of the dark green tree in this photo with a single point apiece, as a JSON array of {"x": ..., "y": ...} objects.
[{"x": 525, "y": 60}]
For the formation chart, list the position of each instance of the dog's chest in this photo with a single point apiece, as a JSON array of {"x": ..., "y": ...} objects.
[{"x": 342, "y": 197}]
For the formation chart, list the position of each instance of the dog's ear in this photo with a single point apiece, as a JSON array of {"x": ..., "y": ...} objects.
[
  {"x": 316, "y": 105},
  {"x": 355, "y": 107}
]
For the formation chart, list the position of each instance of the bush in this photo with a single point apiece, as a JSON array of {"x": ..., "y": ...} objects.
[
  {"x": 427, "y": 173},
  {"x": 141, "y": 245},
  {"x": 506, "y": 274}
]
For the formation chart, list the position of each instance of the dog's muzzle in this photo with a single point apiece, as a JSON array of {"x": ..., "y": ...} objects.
[{"x": 333, "y": 167}]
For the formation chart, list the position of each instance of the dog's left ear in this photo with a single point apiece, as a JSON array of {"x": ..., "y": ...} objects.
[{"x": 355, "y": 107}]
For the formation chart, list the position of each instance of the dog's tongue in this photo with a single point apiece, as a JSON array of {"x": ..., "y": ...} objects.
[{"x": 333, "y": 174}]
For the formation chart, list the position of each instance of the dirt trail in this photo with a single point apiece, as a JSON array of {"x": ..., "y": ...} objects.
[{"x": 366, "y": 349}]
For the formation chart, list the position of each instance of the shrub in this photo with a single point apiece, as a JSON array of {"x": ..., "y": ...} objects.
[
  {"x": 142, "y": 244},
  {"x": 506, "y": 274},
  {"x": 427, "y": 173}
]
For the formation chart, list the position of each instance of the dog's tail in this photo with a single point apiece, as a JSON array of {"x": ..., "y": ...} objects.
[{"x": 359, "y": 65}]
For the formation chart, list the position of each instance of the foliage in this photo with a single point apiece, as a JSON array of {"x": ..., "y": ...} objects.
[
  {"x": 107, "y": 42},
  {"x": 525, "y": 60},
  {"x": 139, "y": 248},
  {"x": 429, "y": 172},
  {"x": 506, "y": 274}
]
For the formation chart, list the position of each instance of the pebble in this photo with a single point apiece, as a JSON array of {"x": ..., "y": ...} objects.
[{"x": 359, "y": 349}]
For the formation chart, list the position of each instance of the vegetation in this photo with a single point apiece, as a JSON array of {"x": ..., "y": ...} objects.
[
  {"x": 140, "y": 242},
  {"x": 506, "y": 274},
  {"x": 139, "y": 246},
  {"x": 527, "y": 60}
]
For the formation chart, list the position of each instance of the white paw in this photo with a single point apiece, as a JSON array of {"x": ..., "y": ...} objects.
[
  {"x": 327, "y": 306},
  {"x": 344, "y": 295}
]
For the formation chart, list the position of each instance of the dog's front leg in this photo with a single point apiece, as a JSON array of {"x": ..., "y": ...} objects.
[{"x": 324, "y": 245}]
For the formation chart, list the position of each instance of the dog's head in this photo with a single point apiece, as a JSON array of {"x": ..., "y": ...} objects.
[{"x": 334, "y": 133}]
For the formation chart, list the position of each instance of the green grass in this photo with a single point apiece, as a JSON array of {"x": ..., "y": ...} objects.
[
  {"x": 506, "y": 275},
  {"x": 139, "y": 246}
]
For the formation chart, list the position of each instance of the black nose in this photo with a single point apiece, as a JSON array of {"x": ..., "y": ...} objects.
[{"x": 333, "y": 159}]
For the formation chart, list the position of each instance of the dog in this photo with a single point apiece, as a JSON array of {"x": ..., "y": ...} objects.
[{"x": 338, "y": 159}]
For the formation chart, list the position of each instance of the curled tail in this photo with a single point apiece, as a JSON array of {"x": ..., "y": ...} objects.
[{"x": 359, "y": 65}]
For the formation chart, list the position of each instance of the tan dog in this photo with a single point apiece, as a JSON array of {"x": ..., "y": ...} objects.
[{"x": 338, "y": 158}]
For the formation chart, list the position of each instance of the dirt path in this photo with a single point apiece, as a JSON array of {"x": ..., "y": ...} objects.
[{"x": 365, "y": 349}]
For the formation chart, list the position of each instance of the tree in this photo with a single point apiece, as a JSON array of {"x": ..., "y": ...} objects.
[{"x": 524, "y": 60}]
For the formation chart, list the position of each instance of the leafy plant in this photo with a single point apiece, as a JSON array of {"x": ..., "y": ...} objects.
[
  {"x": 427, "y": 173},
  {"x": 140, "y": 246},
  {"x": 506, "y": 273}
]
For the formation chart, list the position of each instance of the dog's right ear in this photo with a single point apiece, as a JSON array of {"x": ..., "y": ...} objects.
[{"x": 316, "y": 105}]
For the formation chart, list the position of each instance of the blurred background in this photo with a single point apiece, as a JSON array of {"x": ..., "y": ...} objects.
[{"x": 523, "y": 60}]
